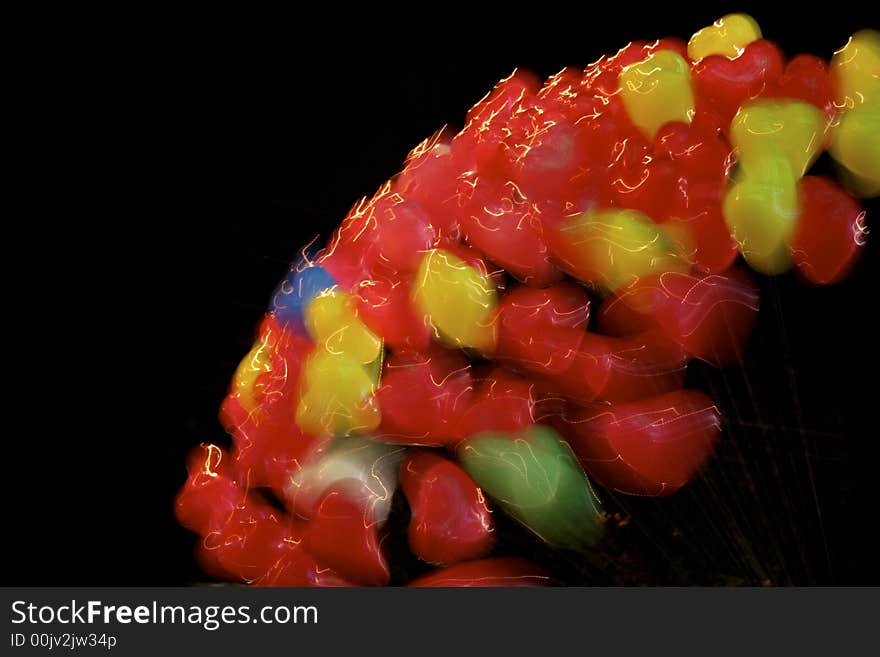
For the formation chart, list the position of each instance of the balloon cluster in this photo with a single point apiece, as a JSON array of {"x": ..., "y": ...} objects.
[{"x": 511, "y": 317}]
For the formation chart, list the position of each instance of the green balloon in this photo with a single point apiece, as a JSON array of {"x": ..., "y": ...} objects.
[{"x": 534, "y": 476}]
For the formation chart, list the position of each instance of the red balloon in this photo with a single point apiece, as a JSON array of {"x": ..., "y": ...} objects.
[
  {"x": 503, "y": 225},
  {"x": 649, "y": 447},
  {"x": 631, "y": 368},
  {"x": 621, "y": 369},
  {"x": 830, "y": 231},
  {"x": 543, "y": 154},
  {"x": 385, "y": 306},
  {"x": 649, "y": 187},
  {"x": 209, "y": 496},
  {"x": 697, "y": 150},
  {"x": 421, "y": 396},
  {"x": 807, "y": 78},
  {"x": 345, "y": 256},
  {"x": 401, "y": 234},
  {"x": 723, "y": 84},
  {"x": 697, "y": 210},
  {"x": 540, "y": 331},
  {"x": 479, "y": 146},
  {"x": 252, "y": 539},
  {"x": 506, "y": 571},
  {"x": 451, "y": 520},
  {"x": 501, "y": 402},
  {"x": 429, "y": 178},
  {"x": 565, "y": 92},
  {"x": 710, "y": 315},
  {"x": 298, "y": 568},
  {"x": 503, "y": 100},
  {"x": 343, "y": 535}
]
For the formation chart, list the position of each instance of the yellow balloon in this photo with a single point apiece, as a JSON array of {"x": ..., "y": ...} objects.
[
  {"x": 617, "y": 247},
  {"x": 331, "y": 319},
  {"x": 657, "y": 90},
  {"x": 761, "y": 210},
  {"x": 727, "y": 37},
  {"x": 457, "y": 299},
  {"x": 336, "y": 396},
  {"x": 856, "y": 146},
  {"x": 856, "y": 68},
  {"x": 794, "y": 128}
]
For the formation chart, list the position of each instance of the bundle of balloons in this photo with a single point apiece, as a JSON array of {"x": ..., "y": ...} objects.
[{"x": 505, "y": 326}]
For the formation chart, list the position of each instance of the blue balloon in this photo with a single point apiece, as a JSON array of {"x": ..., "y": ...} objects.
[{"x": 296, "y": 291}]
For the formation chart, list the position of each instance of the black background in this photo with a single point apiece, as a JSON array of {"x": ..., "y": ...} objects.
[{"x": 182, "y": 162}]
